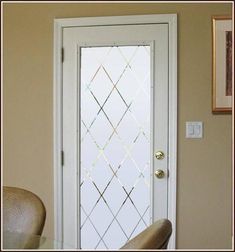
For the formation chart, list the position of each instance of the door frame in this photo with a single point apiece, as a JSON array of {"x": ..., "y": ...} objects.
[{"x": 59, "y": 25}]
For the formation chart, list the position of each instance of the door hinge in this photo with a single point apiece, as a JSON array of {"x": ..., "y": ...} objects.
[
  {"x": 62, "y": 54},
  {"x": 62, "y": 158}
]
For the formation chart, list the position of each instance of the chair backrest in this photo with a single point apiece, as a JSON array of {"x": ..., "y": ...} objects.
[
  {"x": 23, "y": 211},
  {"x": 155, "y": 236}
]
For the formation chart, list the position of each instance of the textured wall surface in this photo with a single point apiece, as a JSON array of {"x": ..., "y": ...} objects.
[{"x": 204, "y": 193}]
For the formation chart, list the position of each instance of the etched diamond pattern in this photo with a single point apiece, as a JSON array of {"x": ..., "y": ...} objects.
[{"x": 115, "y": 145}]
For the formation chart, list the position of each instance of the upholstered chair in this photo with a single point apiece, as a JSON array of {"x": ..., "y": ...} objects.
[
  {"x": 24, "y": 217},
  {"x": 155, "y": 236}
]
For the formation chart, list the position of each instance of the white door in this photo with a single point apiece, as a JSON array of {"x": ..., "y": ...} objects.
[{"x": 114, "y": 119}]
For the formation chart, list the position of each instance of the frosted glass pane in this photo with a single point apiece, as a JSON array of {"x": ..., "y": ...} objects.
[{"x": 115, "y": 145}]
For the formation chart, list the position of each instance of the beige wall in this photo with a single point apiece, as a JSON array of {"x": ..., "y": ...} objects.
[{"x": 204, "y": 166}]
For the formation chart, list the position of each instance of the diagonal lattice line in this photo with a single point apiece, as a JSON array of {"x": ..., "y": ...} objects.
[
  {"x": 131, "y": 58},
  {"x": 92, "y": 79},
  {"x": 93, "y": 164},
  {"x": 87, "y": 128},
  {"x": 94, "y": 227},
  {"x": 125, "y": 157},
  {"x": 128, "y": 154},
  {"x": 125, "y": 67},
  {"x": 100, "y": 150},
  {"x": 139, "y": 213},
  {"x": 100, "y": 196},
  {"x": 126, "y": 148},
  {"x": 107, "y": 119},
  {"x": 97, "y": 114},
  {"x": 114, "y": 87},
  {"x": 95, "y": 142},
  {"x": 136, "y": 78},
  {"x": 140, "y": 86},
  {"x": 105, "y": 71},
  {"x": 110, "y": 137},
  {"x": 134, "y": 117},
  {"x": 138, "y": 222},
  {"x": 88, "y": 172},
  {"x": 97, "y": 145},
  {"x": 128, "y": 195},
  {"x": 101, "y": 63},
  {"x": 88, "y": 88},
  {"x": 119, "y": 122},
  {"x": 132, "y": 70},
  {"x": 114, "y": 216},
  {"x": 115, "y": 84},
  {"x": 88, "y": 132},
  {"x": 101, "y": 193},
  {"x": 141, "y": 83},
  {"x": 103, "y": 110},
  {"x": 142, "y": 175},
  {"x": 101, "y": 107},
  {"x": 136, "y": 94}
]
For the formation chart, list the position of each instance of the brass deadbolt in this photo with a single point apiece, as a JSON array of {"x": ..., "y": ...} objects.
[
  {"x": 159, "y": 173},
  {"x": 159, "y": 155}
]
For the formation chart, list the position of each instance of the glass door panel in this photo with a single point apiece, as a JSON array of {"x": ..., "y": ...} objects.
[{"x": 115, "y": 202}]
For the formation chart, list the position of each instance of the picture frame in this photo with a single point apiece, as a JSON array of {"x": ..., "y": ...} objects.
[{"x": 222, "y": 64}]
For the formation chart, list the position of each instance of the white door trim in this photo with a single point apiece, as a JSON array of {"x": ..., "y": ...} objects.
[{"x": 59, "y": 24}]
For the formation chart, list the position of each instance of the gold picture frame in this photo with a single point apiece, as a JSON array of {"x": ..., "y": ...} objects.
[{"x": 222, "y": 64}]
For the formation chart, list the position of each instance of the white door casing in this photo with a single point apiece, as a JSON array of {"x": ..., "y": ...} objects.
[
  {"x": 66, "y": 103},
  {"x": 156, "y": 36}
]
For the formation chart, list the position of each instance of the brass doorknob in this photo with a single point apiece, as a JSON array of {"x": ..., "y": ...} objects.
[
  {"x": 159, "y": 173},
  {"x": 159, "y": 155}
]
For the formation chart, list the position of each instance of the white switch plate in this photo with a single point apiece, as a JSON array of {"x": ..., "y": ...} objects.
[{"x": 194, "y": 129}]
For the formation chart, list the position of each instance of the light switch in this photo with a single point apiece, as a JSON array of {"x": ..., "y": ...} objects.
[
  {"x": 190, "y": 130},
  {"x": 194, "y": 130}
]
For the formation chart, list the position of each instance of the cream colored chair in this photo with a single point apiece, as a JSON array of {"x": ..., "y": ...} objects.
[
  {"x": 24, "y": 217},
  {"x": 155, "y": 236}
]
